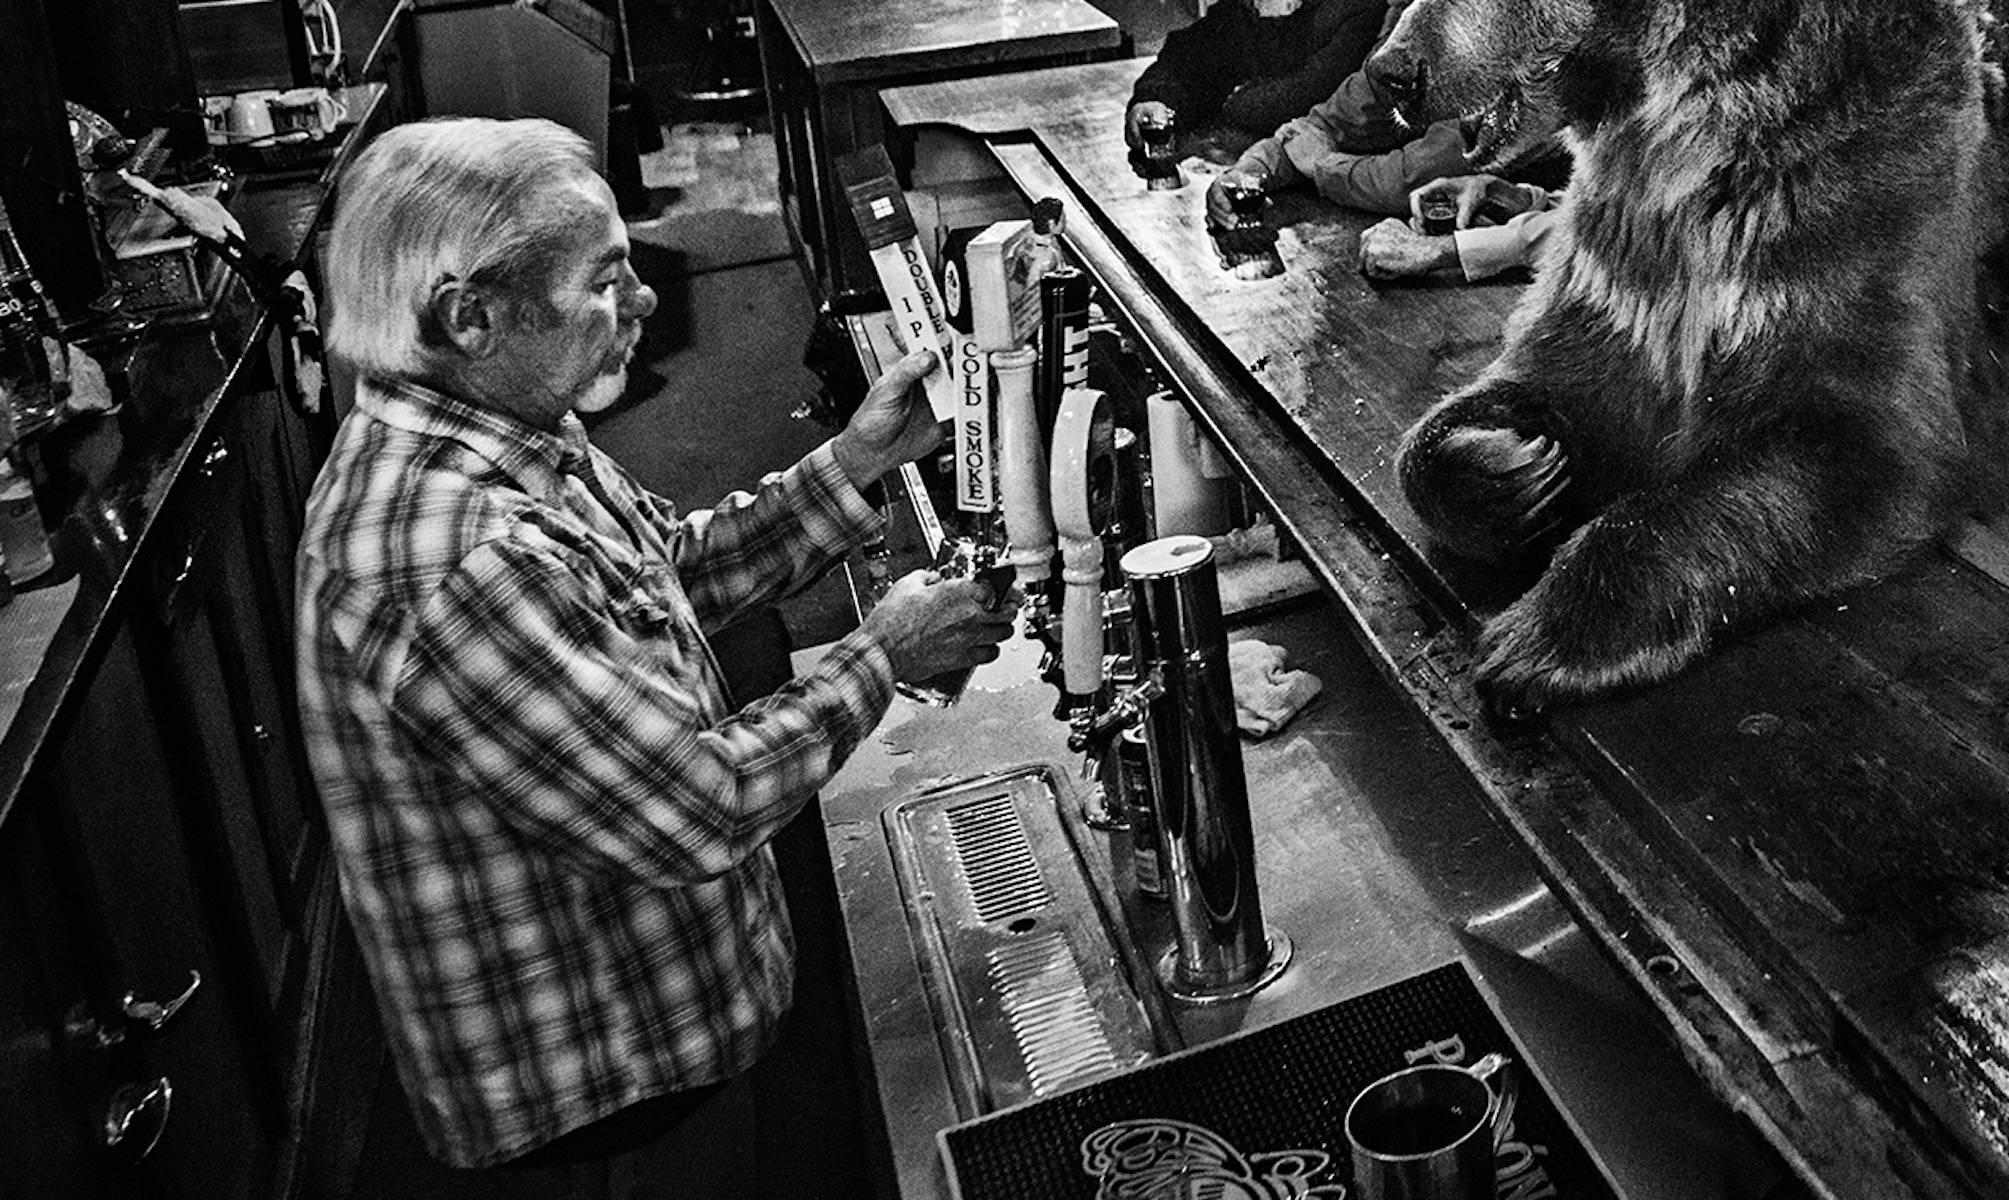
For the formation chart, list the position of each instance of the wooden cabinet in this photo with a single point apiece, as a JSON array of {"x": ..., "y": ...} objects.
[
  {"x": 158, "y": 826},
  {"x": 170, "y": 833}
]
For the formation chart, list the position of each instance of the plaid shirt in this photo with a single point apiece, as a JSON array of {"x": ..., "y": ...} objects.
[{"x": 550, "y": 828}]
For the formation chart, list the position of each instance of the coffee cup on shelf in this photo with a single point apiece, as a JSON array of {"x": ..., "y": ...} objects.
[
  {"x": 250, "y": 115},
  {"x": 313, "y": 111}
]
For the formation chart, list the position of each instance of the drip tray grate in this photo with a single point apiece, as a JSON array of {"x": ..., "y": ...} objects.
[{"x": 1028, "y": 989}]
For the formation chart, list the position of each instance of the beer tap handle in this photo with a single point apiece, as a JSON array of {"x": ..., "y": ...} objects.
[
  {"x": 1081, "y": 615},
  {"x": 1081, "y": 642},
  {"x": 1022, "y": 474}
]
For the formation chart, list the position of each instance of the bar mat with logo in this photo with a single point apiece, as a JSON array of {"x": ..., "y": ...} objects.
[{"x": 1259, "y": 1115}]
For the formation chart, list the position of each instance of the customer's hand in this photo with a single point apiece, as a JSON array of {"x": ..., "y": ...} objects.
[
  {"x": 929, "y": 625},
  {"x": 1390, "y": 249},
  {"x": 203, "y": 216},
  {"x": 1143, "y": 110},
  {"x": 1220, "y": 205},
  {"x": 1475, "y": 195},
  {"x": 893, "y": 424}
]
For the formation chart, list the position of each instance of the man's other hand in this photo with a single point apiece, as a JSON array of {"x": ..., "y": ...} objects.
[
  {"x": 1133, "y": 121},
  {"x": 893, "y": 424},
  {"x": 929, "y": 625},
  {"x": 1390, "y": 249},
  {"x": 1220, "y": 207},
  {"x": 1476, "y": 196}
]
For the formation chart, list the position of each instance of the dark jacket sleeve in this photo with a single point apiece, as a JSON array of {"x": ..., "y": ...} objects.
[
  {"x": 1195, "y": 67},
  {"x": 1343, "y": 31}
]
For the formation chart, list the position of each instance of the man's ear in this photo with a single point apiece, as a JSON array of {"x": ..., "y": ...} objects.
[{"x": 467, "y": 315}]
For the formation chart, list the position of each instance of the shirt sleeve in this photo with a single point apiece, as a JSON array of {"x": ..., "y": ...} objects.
[
  {"x": 1377, "y": 183},
  {"x": 751, "y": 549},
  {"x": 1490, "y": 249},
  {"x": 1360, "y": 118},
  {"x": 601, "y": 741}
]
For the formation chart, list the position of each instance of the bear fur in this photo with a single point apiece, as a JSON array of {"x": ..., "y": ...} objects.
[{"x": 1754, "y": 370}]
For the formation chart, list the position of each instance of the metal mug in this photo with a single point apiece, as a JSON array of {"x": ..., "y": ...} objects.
[{"x": 1431, "y": 1132}]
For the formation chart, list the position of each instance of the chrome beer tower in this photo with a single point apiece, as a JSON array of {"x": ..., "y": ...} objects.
[
  {"x": 1160, "y": 661},
  {"x": 1184, "y": 700}
]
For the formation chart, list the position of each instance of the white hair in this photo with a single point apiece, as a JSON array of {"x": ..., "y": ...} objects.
[{"x": 465, "y": 199}]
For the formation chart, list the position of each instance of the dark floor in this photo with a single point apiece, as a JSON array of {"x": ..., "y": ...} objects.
[{"x": 709, "y": 410}]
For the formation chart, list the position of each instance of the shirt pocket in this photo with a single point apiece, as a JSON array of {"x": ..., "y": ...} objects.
[
  {"x": 648, "y": 604},
  {"x": 641, "y": 599},
  {"x": 613, "y": 579}
]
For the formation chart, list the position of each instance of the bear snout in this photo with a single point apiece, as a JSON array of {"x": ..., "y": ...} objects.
[{"x": 1401, "y": 77}]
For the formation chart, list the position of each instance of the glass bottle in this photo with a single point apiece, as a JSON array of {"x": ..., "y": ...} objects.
[
  {"x": 1049, "y": 217},
  {"x": 26, "y": 388},
  {"x": 34, "y": 361},
  {"x": 23, "y": 542}
]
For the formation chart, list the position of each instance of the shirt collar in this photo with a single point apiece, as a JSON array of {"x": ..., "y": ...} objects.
[{"x": 536, "y": 459}]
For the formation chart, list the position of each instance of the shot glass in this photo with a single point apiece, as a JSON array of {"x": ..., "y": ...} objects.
[{"x": 1439, "y": 216}]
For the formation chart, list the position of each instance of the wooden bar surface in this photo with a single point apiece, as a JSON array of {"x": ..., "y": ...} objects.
[
  {"x": 855, "y": 40},
  {"x": 1799, "y": 849}
]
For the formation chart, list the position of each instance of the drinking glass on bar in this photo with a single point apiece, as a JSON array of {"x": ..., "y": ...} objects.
[
  {"x": 1439, "y": 216},
  {"x": 1160, "y": 165}
]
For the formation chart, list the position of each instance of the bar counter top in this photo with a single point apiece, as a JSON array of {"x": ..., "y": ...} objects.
[
  {"x": 843, "y": 40},
  {"x": 110, "y": 476},
  {"x": 1374, "y": 857},
  {"x": 1797, "y": 852}
]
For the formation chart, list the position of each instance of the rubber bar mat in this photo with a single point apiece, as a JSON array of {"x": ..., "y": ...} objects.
[{"x": 1257, "y": 1116}]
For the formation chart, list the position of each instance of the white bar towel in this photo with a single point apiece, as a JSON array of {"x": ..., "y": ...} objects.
[{"x": 1267, "y": 693}]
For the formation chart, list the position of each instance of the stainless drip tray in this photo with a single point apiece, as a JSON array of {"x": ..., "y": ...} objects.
[{"x": 1029, "y": 992}]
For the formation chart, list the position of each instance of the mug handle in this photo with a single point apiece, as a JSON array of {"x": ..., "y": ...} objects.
[
  {"x": 1506, "y": 1092},
  {"x": 332, "y": 111}
]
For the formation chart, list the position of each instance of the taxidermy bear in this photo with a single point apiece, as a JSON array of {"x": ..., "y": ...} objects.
[{"x": 1754, "y": 369}]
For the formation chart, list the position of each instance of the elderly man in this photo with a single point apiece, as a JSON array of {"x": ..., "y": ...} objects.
[{"x": 550, "y": 825}]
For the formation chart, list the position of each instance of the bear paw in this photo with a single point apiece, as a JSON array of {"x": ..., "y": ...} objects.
[
  {"x": 1573, "y": 636},
  {"x": 1494, "y": 495}
]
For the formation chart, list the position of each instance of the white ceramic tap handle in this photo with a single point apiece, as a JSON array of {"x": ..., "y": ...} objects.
[
  {"x": 1022, "y": 467},
  {"x": 1184, "y": 499},
  {"x": 1080, "y": 546}
]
